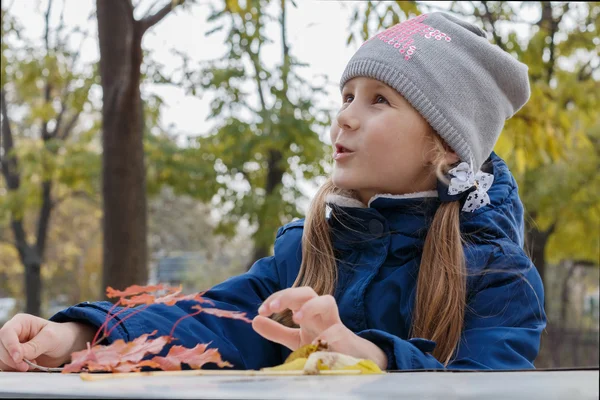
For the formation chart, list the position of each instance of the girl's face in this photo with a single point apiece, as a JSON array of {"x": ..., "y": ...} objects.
[{"x": 381, "y": 143}]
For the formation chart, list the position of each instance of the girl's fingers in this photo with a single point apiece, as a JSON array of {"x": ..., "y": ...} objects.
[
  {"x": 292, "y": 298},
  {"x": 339, "y": 338},
  {"x": 11, "y": 352},
  {"x": 318, "y": 313},
  {"x": 276, "y": 332},
  {"x": 6, "y": 361}
]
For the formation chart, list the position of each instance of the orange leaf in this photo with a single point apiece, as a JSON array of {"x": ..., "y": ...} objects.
[
  {"x": 131, "y": 290},
  {"x": 137, "y": 300},
  {"x": 95, "y": 367},
  {"x": 135, "y": 367},
  {"x": 171, "y": 299},
  {"x": 195, "y": 358},
  {"x": 223, "y": 313},
  {"x": 106, "y": 358},
  {"x": 79, "y": 360}
]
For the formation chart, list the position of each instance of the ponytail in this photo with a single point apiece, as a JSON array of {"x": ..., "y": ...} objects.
[
  {"x": 441, "y": 286},
  {"x": 318, "y": 269}
]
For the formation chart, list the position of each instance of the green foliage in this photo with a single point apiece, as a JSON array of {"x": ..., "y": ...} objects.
[
  {"x": 267, "y": 132},
  {"x": 54, "y": 129}
]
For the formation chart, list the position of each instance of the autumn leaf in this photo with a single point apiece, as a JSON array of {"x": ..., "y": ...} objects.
[
  {"x": 195, "y": 358},
  {"x": 137, "y": 300},
  {"x": 133, "y": 367},
  {"x": 306, "y": 350},
  {"x": 107, "y": 358},
  {"x": 121, "y": 356},
  {"x": 143, "y": 295},
  {"x": 223, "y": 313},
  {"x": 170, "y": 300},
  {"x": 132, "y": 290}
]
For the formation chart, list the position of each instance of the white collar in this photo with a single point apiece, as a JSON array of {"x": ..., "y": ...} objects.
[{"x": 346, "y": 201}]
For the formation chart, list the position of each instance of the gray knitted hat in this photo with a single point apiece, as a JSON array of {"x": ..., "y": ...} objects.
[{"x": 463, "y": 85}]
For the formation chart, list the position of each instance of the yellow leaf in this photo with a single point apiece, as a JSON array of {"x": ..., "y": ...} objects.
[
  {"x": 328, "y": 360},
  {"x": 305, "y": 351},
  {"x": 324, "y": 361},
  {"x": 366, "y": 367},
  {"x": 295, "y": 365}
]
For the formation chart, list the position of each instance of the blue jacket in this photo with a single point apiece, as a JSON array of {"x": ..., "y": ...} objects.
[{"x": 380, "y": 249}]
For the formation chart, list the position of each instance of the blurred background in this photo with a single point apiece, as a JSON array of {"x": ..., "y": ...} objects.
[{"x": 216, "y": 116}]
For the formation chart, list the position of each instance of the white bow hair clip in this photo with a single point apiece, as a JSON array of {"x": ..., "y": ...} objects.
[{"x": 463, "y": 179}]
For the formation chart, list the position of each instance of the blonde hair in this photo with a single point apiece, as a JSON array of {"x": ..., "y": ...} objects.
[{"x": 439, "y": 308}]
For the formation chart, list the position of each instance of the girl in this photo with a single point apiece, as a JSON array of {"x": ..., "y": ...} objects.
[{"x": 410, "y": 255}]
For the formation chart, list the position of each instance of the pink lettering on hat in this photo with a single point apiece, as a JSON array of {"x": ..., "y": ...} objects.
[{"x": 400, "y": 36}]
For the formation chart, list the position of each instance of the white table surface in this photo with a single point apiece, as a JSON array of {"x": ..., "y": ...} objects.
[{"x": 568, "y": 384}]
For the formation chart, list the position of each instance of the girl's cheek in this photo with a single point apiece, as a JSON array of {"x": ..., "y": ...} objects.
[{"x": 333, "y": 132}]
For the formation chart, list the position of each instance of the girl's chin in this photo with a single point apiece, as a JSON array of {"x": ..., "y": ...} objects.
[{"x": 343, "y": 182}]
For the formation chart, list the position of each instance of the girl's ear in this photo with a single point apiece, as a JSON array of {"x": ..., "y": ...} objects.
[{"x": 451, "y": 157}]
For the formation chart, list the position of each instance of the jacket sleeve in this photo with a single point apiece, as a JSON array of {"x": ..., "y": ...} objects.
[
  {"x": 237, "y": 342},
  {"x": 503, "y": 323}
]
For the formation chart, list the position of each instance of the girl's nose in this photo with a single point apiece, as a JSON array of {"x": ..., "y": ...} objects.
[{"x": 347, "y": 121}]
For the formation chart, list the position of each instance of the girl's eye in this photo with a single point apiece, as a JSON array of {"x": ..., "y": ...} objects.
[
  {"x": 348, "y": 98},
  {"x": 381, "y": 100}
]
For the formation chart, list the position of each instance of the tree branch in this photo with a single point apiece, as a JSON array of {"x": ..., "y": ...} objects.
[
  {"x": 45, "y": 134},
  {"x": 44, "y": 218},
  {"x": 9, "y": 161},
  {"x": 433, "y": 7},
  {"x": 151, "y": 20},
  {"x": 285, "y": 68},
  {"x": 149, "y": 10},
  {"x": 67, "y": 131},
  {"x": 48, "y": 86},
  {"x": 46, "y": 207},
  {"x": 21, "y": 238},
  {"x": 584, "y": 75},
  {"x": 491, "y": 20},
  {"x": 47, "y": 27},
  {"x": 59, "y": 119}
]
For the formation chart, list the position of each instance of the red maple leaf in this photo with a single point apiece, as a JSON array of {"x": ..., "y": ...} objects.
[
  {"x": 134, "y": 367},
  {"x": 223, "y": 313},
  {"x": 121, "y": 356},
  {"x": 195, "y": 358},
  {"x": 132, "y": 290},
  {"x": 169, "y": 299},
  {"x": 106, "y": 358}
]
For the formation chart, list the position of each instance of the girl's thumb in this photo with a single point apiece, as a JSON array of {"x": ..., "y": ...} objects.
[{"x": 33, "y": 349}]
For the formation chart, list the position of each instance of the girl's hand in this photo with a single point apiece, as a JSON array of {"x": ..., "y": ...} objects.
[
  {"x": 43, "y": 342},
  {"x": 318, "y": 319}
]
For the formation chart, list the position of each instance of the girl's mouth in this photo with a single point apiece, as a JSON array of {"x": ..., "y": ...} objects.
[{"x": 341, "y": 152}]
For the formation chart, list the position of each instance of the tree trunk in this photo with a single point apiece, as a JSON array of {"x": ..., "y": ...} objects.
[
  {"x": 535, "y": 241},
  {"x": 258, "y": 253},
  {"x": 561, "y": 338},
  {"x": 123, "y": 172},
  {"x": 33, "y": 283},
  {"x": 32, "y": 262},
  {"x": 29, "y": 255},
  {"x": 274, "y": 178}
]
